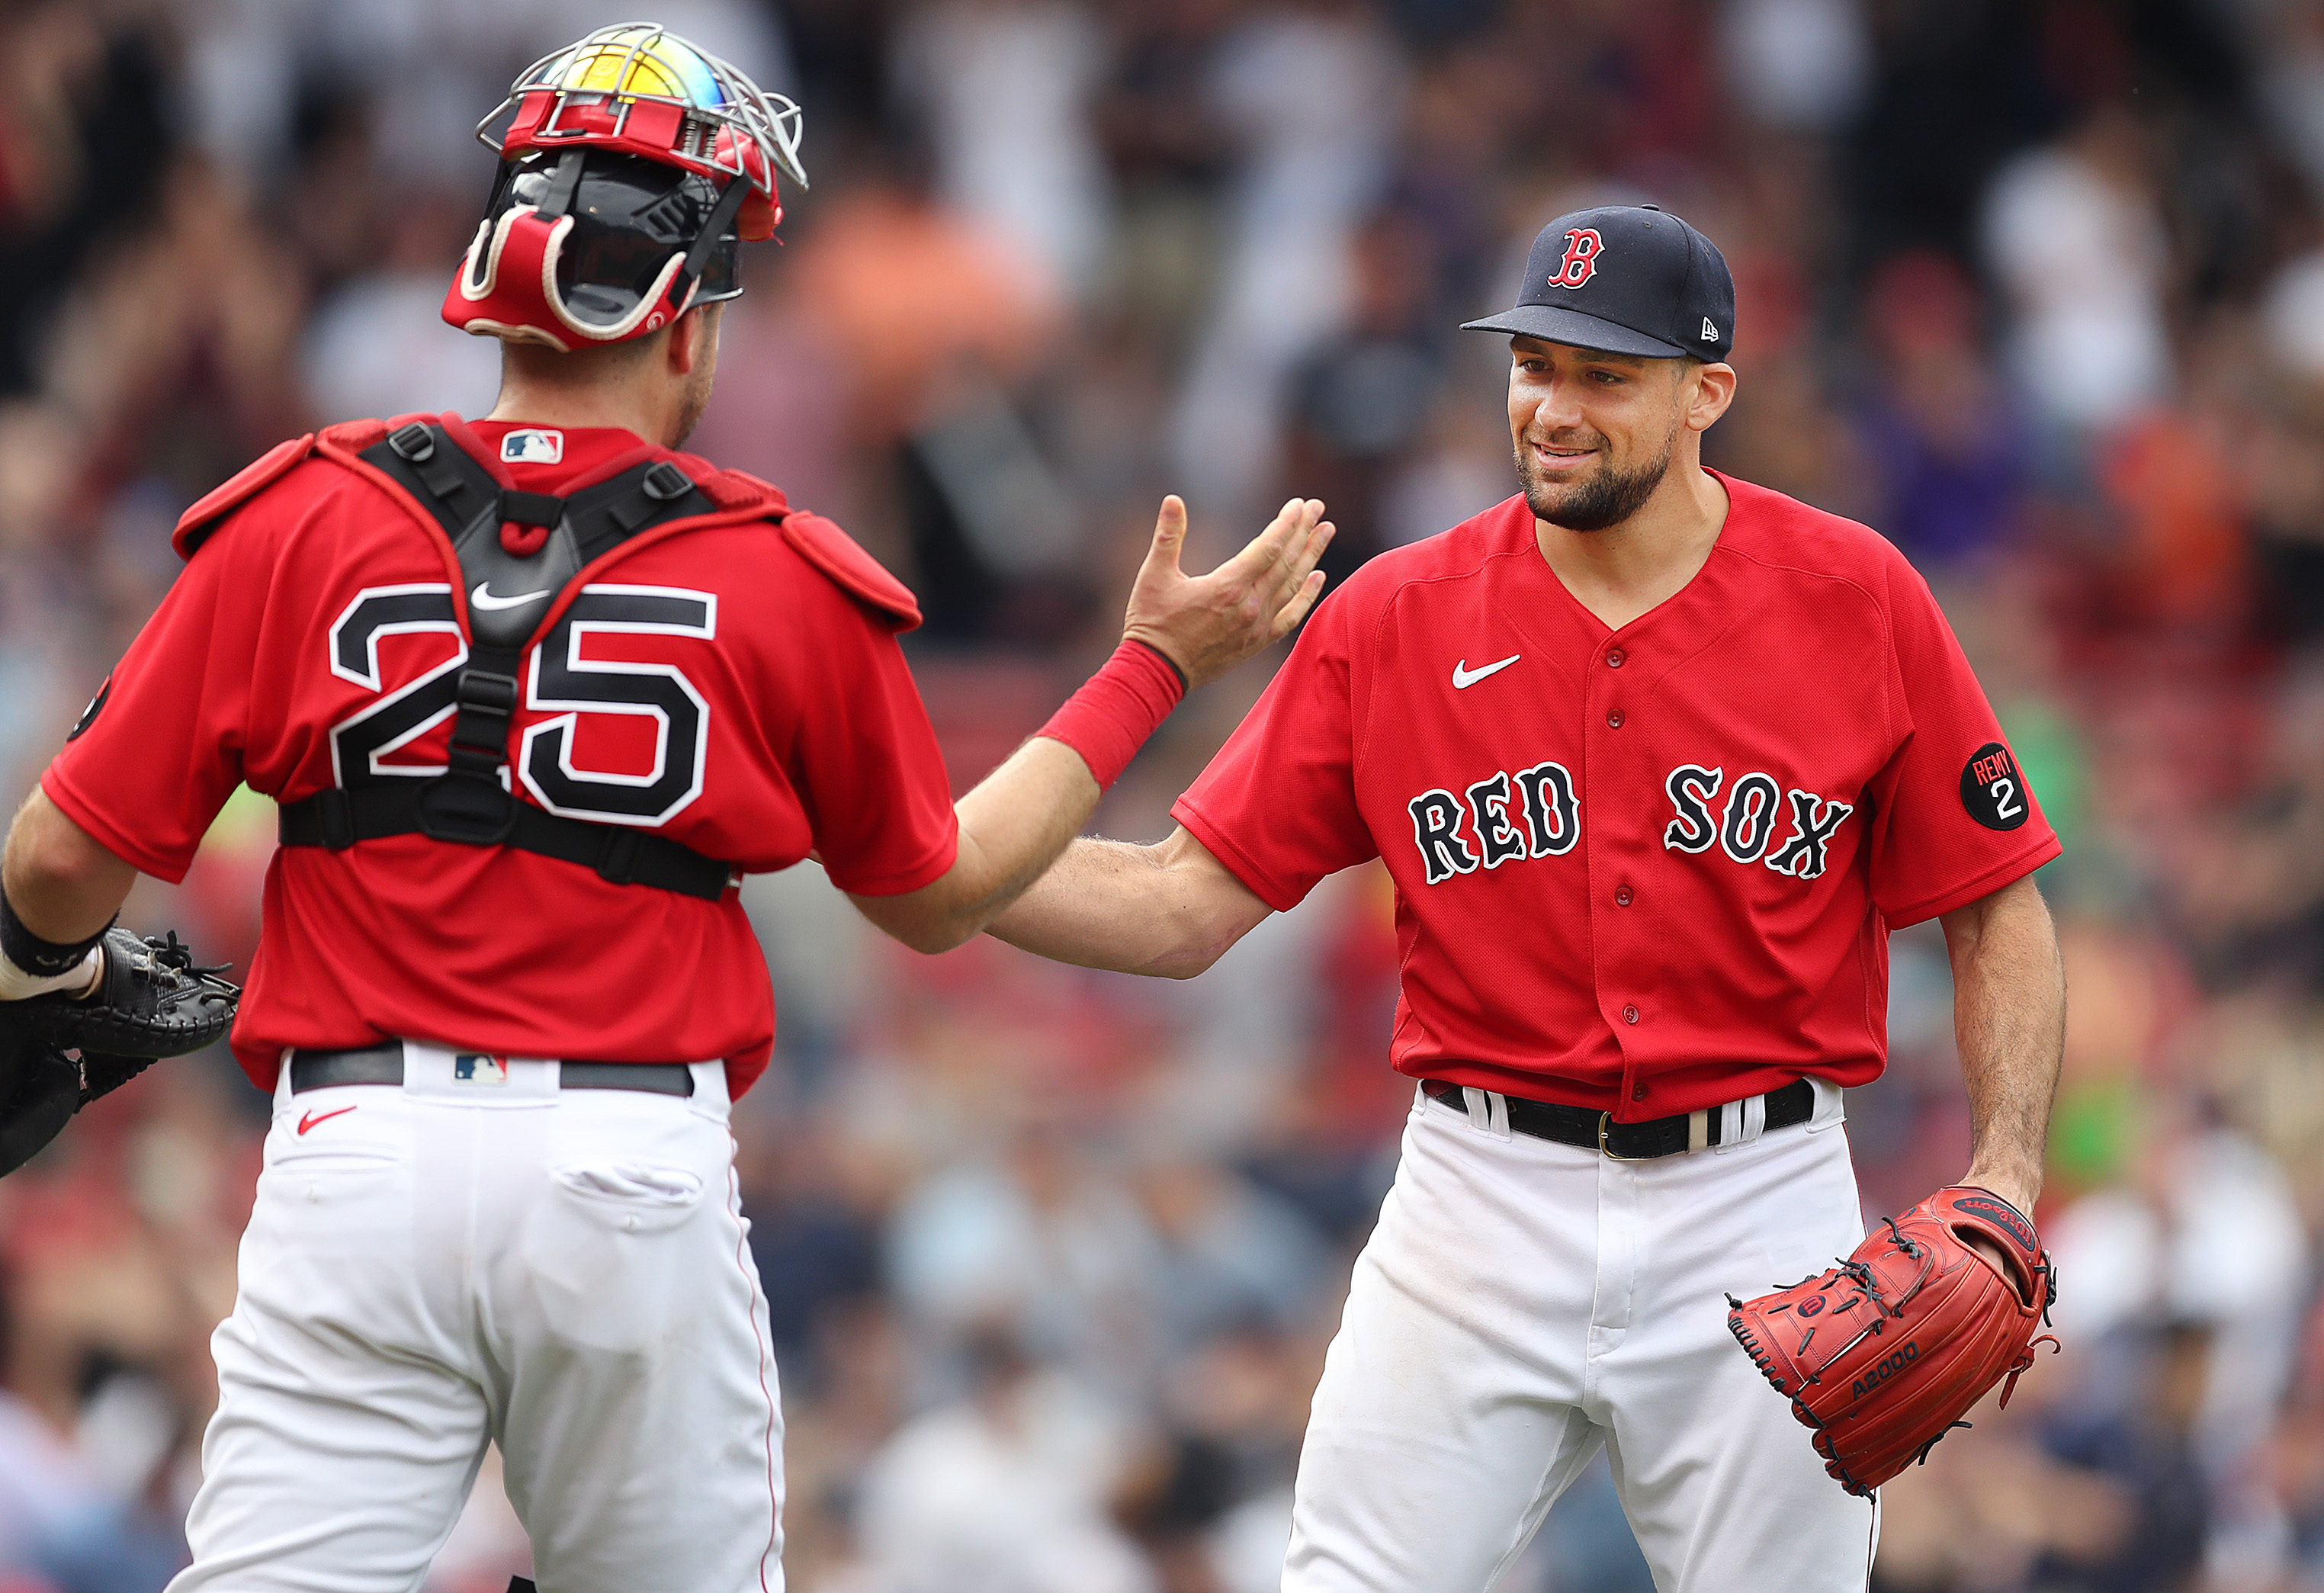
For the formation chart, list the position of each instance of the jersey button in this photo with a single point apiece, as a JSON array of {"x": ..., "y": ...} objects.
[
  {"x": 1640, "y": 1093},
  {"x": 1614, "y": 719},
  {"x": 1622, "y": 895},
  {"x": 1629, "y": 1015},
  {"x": 1614, "y": 657}
]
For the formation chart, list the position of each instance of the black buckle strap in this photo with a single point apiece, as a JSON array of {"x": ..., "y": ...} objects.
[
  {"x": 615, "y": 853},
  {"x": 469, "y": 803},
  {"x": 487, "y": 703},
  {"x": 1792, "y": 1104},
  {"x": 531, "y": 509},
  {"x": 327, "y": 819},
  {"x": 714, "y": 227},
  {"x": 457, "y": 485},
  {"x": 562, "y": 185}
]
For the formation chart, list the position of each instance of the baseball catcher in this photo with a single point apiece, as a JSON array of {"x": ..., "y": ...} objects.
[
  {"x": 534, "y": 691},
  {"x": 141, "y": 999},
  {"x": 1883, "y": 1353}
]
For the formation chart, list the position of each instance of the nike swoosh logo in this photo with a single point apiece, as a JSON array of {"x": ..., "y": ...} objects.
[
  {"x": 483, "y": 598},
  {"x": 310, "y": 1120},
  {"x": 1463, "y": 677}
]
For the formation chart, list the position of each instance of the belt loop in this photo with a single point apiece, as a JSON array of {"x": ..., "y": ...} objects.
[
  {"x": 1489, "y": 1111},
  {"x": 1740, "y": 1122},
  {"x": 1698, "y": 1131},
  {"x": 1830, "y": 1104}
]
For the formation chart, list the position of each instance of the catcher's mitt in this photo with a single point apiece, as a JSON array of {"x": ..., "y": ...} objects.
[
  {"x": 58, "y": 1053},
  {"x": 1884, "y": 1354}
]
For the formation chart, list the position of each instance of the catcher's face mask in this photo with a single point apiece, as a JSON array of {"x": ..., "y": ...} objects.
[{"x": 632, "y": 166}]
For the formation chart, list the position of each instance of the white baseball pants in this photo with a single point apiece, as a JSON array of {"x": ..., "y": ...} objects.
[
  {"x": 433, "y": 1266},
  {"x": 1522, "y": 1303}
]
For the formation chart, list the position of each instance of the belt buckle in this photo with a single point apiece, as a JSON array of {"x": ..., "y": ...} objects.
[{"x": 1605, "y": 1122}]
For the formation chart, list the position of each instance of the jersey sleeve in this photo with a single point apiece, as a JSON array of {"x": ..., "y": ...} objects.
[
  {"x": 1278, "y": 805},
  {"x": 160, "y": 748},
  {"x": 867, "y": 767},
  {"x": 1955, "y": 820}
]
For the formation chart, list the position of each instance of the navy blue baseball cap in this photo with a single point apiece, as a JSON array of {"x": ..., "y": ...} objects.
[{"x": 1628, "y": 279}]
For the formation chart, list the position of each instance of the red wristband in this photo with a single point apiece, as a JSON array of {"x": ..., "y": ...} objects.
[{"x": 1117, "y": 708}]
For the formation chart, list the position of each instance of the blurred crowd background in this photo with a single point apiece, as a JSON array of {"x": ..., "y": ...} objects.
[{"x": 2034, "y": 287}]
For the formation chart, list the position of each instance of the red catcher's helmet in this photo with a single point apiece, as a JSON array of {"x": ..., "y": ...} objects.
[{"x": 632, "y": 165}]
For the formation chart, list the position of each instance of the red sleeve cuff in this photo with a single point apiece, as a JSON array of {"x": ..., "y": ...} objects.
[
  {"x": 121, "y": 842},
  {"x": 2006, "y": 872},
  {"x": 931, "y": 867},
  {"x": 1273, "y": 892}
]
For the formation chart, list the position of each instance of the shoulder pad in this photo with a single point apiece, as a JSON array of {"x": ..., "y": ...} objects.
[
  {"x": 355, "y": 436},
  {"x": 255, "y": 477},
  {"x": 862, "y": 576},
  {"x": 733, "y": 489}
]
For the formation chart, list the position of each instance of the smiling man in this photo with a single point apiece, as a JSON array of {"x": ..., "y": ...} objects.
[{"x": 1656, "y": 758}]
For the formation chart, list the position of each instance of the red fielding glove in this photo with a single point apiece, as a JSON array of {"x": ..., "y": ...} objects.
[
  {"x": 1118, "y": 708},
  {"x": 1885, "y": 1353}
]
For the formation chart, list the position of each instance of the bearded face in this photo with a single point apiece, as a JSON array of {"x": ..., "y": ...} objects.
[
  {"x": 1597, "y": 494},
  {"x": 1594, "y": 433}
]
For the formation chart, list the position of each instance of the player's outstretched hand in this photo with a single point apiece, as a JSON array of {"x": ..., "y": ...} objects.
[{"x": 1207, "y": 624}]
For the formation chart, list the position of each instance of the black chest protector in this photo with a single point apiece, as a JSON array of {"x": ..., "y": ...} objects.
[{"x": 470, "y": 803}]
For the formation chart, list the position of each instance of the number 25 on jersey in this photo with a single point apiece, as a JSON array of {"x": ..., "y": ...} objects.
[{"x": 559, "y": 680}]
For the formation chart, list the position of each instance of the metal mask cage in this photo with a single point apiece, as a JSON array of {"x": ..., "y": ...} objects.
[{"x": 771, "y": 121}]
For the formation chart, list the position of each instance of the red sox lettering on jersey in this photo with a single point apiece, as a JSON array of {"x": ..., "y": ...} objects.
[
  {"x": 1644, "y": 870},
  {"x": 1533, "y": 813}
]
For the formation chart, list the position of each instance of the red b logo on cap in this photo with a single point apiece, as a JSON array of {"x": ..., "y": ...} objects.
[{"x": 1583, "y": 247}]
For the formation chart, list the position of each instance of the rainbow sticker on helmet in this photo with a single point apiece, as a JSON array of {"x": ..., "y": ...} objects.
[
  {"x": 635, "y": 60},
  {"x": 591, "y": 92}
]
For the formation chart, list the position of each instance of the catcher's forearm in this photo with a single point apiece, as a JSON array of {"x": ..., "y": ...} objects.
[
  {"x": 62, "y": 884},
  {"x": 2009, "y": 1024},
  {"x": 1012, "y": 826}
]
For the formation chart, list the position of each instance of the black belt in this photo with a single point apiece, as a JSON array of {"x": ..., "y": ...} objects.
[
  {"x": 384, "y": 1064},
  {"x": 1630, "y": 1142}
]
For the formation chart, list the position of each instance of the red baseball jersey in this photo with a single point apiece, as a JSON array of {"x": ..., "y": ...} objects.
[
  {"x": 1644, "y": 870},
  {"x": 732, "y": 684}
]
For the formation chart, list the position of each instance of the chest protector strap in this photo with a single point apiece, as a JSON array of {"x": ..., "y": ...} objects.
[{"x": 468, "y": 803}]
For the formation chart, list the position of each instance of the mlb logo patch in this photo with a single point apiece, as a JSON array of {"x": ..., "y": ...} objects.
[
  {"x": 479, "y": 1070},
  {"x": 533, "y": 446}
]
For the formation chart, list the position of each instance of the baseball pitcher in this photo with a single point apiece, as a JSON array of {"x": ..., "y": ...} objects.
[{"x": 1656, "y": 758}]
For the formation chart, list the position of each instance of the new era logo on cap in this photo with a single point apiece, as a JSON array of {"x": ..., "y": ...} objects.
[
  {"x": 533, "y": 446},
  {"x": 1626, "y": 279}
]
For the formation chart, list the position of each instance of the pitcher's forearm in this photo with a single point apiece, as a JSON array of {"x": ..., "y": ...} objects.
[
  {"x": 1168, "y": 910},
  {"x": 1103, "y": 904},
  {"x": 2009, "y": 1022}
]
